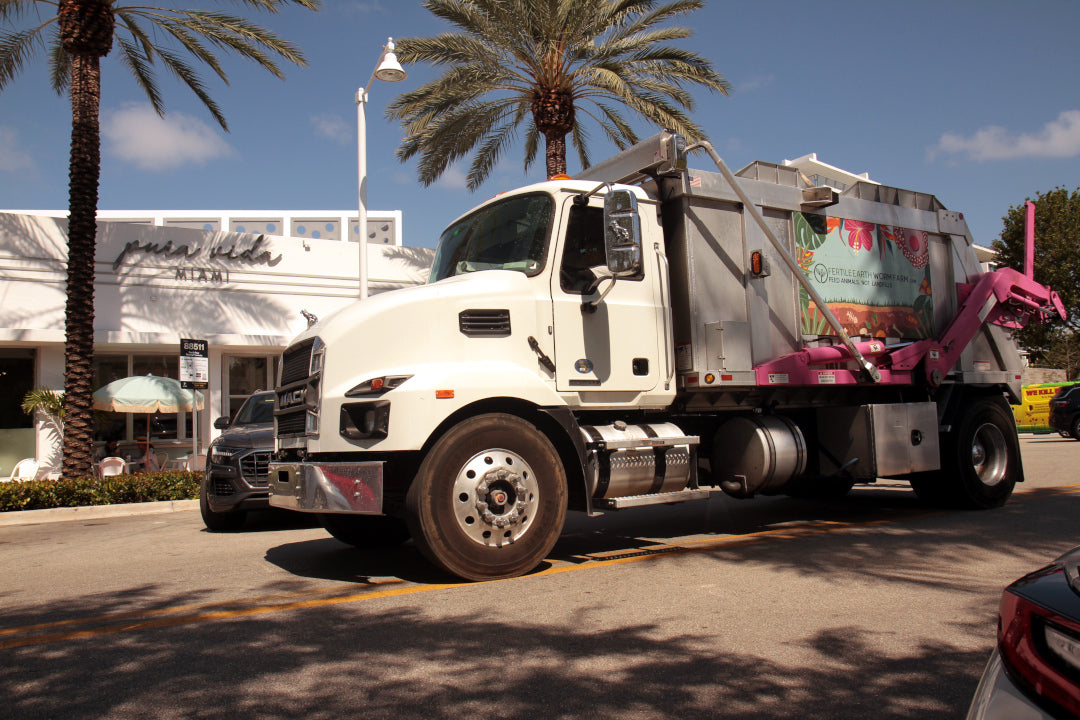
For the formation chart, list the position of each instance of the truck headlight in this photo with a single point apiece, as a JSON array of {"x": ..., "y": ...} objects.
[
  {"x": 377, "y": 386},
  {"x": 318, "y": 357}
]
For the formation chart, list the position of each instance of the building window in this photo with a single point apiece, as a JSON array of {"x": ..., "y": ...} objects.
[
  {"x": 244, "y": 375},
  {"x": 16, "y": 379},
  {"x": 129, "y": 426}
]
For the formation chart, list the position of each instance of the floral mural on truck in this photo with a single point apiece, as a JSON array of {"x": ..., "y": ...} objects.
[{"x": 875, "y": 278}]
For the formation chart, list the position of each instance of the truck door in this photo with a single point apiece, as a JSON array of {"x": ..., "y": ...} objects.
[{"x": 617, "y": 347}]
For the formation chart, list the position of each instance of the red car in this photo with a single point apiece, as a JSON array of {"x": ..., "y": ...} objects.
[{"x": 1035, "y": 669}]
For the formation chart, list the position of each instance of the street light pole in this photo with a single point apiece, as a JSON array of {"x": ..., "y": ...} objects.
[{"x": 387, "y": 69}]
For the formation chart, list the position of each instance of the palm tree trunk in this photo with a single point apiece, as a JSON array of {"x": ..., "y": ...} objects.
[
  {"x": 555, "y": 155},
  {"x": 84, "y": 171}
]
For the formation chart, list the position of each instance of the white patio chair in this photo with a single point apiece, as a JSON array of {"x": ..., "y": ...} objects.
[
  {"x": 111, "y": 466},
  {"x": 179, "y": 463},
  {"x": 25, "y": 469}
]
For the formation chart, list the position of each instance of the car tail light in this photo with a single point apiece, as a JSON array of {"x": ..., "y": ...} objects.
[{"x": 1041, "y": 649}]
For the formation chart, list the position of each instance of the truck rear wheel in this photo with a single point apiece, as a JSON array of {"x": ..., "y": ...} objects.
[
  {"x": 980, "y": 460},
  {"x": 489, "y": 500},
  {"x": 366, "y": 532}
]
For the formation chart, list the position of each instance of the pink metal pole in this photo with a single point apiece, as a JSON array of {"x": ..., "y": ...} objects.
[{"x": 1029, "y": 240}]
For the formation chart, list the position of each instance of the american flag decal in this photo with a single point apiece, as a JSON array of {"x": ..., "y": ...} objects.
[{"x": 695, "y": 181}]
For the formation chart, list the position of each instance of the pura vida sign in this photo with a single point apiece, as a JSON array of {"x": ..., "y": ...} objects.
[{"x": 195, "y": 262}]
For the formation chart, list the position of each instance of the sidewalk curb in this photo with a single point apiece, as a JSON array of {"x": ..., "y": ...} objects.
[{"x": 93, "y": 512}]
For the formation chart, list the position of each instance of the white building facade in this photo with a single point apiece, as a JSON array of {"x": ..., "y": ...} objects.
[{"x": 240, "y": 280}]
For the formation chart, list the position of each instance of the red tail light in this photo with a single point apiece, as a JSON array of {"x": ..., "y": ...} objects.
[{"x": 1041, "y": 649}]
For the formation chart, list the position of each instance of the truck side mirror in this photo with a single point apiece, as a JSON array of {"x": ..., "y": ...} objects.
[
  {"x": 622, "y": 233},
  {"x": 221, "y": 423}
]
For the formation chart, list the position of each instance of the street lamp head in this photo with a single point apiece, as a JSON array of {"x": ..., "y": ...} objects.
[{"x": 390, "y": 69}]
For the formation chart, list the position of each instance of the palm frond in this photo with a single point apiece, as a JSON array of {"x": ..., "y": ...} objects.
[
  {"x": 187, "y": 75},
  {"x": 532, "y": 145},
  {"x": 487, "y": 156},
  {"x": 16, "y": 48},
  {"x": 47, "y": 400},
  {"x": 59, "y": 66},
  {"x": 134, "y": 58},
  {"x": 11, "y": 10}
]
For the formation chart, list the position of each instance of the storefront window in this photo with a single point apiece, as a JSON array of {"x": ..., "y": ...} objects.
[
  {"x": 16, "y": 379},
  {"x": 129, "y": 426},
  {"x": 245, "y": 375}
]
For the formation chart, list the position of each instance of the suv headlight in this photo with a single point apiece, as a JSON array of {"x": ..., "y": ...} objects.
[{"x": 222, "y": 454}]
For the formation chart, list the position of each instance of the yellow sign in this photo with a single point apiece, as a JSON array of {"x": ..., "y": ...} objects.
[{"x": 1033, "y": 412}]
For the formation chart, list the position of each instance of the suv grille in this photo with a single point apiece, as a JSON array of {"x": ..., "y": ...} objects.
[{"x": 255, "y": 468}]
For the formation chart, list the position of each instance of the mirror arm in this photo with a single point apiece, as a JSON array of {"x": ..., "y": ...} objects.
[
  {"x": 591, "y": 305},
  {"x": 583, "y": 198}
]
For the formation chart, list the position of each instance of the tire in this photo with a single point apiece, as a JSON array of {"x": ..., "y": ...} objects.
[
  {"x": 219, "y": 521},
  {"x": 1074, "y": 429},
  {"x": 489, "y": 499},
  {"x": 367, "y": 532},
  {"x": 980, "y": 459}
]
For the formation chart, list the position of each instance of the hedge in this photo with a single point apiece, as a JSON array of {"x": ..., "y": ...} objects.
[{"x": 76, "y": 492}]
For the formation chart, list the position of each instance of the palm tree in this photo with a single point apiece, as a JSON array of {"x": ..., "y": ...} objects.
[
  {"x": 50, "y": 403},
  {"x": 76, "y": 37},
  {"x": 542, "y": 63}
]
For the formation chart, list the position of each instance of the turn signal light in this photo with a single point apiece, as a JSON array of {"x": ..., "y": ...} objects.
[
  {"x": 444, "y": 394},
  {"x": 759, "y": 266}
]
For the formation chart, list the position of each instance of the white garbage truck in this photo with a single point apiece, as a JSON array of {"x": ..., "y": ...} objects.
[{"x": 645, "y": 333}]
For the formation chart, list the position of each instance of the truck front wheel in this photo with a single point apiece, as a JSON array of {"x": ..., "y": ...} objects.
[{"x": 489, "y": 500}]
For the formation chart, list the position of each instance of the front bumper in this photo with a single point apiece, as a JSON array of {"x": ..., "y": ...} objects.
[{"x": 329, "y": 487}]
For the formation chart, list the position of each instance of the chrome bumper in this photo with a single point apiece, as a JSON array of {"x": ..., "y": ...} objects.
[{"x": 331, "y": 487}]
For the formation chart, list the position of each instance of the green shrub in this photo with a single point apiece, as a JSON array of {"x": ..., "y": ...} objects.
[{"x": 75, "y": 492}]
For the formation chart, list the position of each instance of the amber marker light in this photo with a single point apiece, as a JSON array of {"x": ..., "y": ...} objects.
[{"x": 444, "y": 394}]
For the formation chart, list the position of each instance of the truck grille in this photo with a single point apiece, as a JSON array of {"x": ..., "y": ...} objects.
[
  {"x": 255, "y": 468},
  {"x": 295, "y": 362},
  {"x": 291, "y": 424}
]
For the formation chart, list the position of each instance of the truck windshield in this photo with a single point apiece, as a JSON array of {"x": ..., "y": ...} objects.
[{"x": 509, "y": 235}]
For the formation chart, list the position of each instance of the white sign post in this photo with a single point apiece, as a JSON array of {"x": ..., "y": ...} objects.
[{"x": 195, "y": 376}]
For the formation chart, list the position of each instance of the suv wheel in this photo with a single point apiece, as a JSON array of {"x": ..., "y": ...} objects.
[{"x": 218, "y": 521}]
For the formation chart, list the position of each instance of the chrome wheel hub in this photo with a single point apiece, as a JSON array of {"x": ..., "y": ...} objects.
[
  {"x": 495, "y": 497},
  {"x": 989, "y": 454}
]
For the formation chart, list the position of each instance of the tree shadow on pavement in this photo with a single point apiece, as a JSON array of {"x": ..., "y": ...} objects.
[{"x": 393, "y": 662}]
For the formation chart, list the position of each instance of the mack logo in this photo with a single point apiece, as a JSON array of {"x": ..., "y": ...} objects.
[{"x": 292, "y": 398}]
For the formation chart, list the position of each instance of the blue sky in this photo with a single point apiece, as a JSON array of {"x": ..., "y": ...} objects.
[{"x": 977, "y": 102}]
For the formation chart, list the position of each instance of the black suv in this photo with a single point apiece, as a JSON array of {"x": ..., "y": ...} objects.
[
  {"x": 1065, "y": 411},
  {"x": 238, "y": 465}
]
